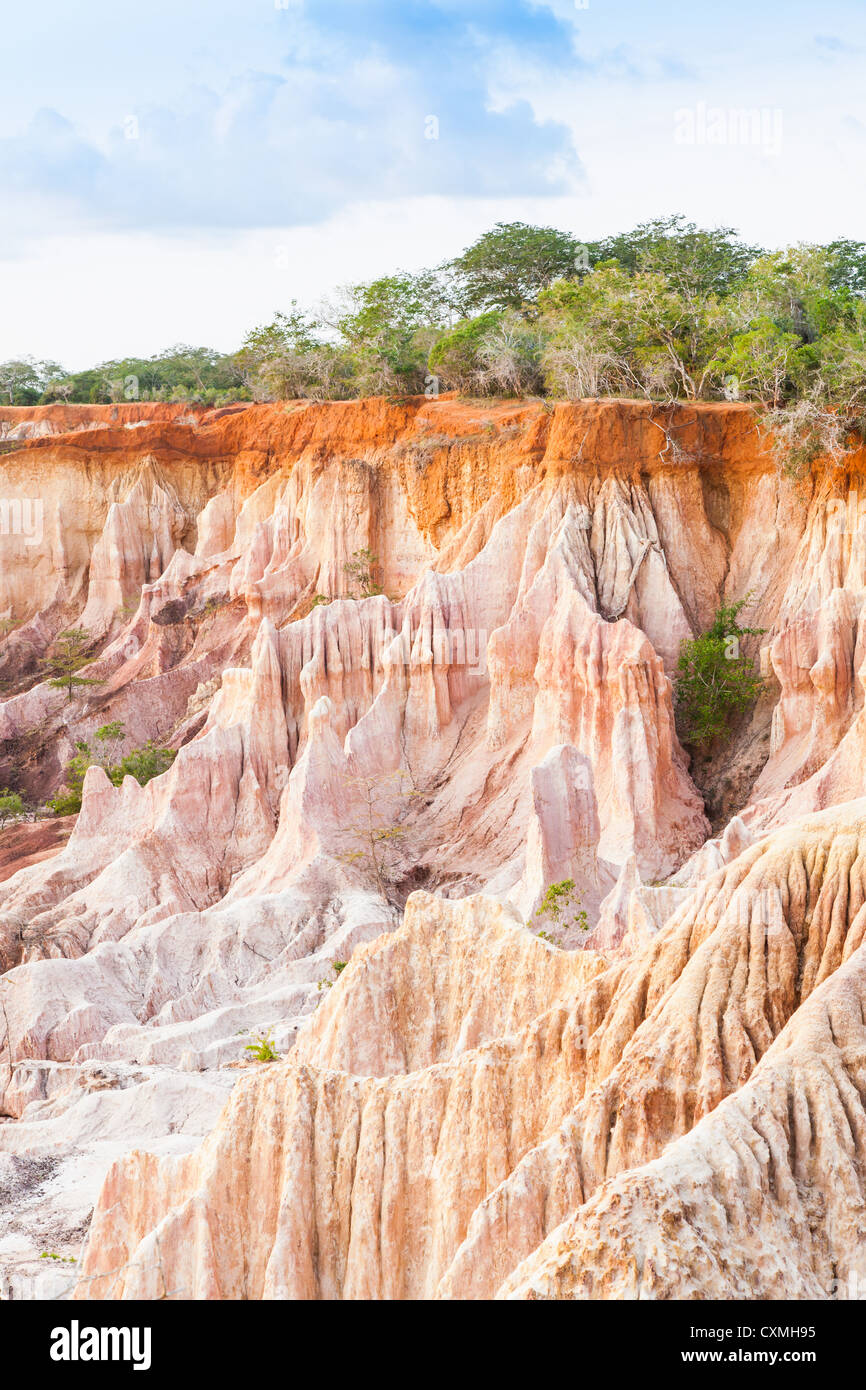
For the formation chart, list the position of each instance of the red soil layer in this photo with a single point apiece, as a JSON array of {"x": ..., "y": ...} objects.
[{"x": 28, "y": 842}]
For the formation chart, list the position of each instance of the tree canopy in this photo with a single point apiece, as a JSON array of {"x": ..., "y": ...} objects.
[{"x": 666, "y": 311}]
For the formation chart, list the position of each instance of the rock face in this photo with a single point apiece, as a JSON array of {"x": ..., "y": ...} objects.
[{"x": 416, "y": 660}]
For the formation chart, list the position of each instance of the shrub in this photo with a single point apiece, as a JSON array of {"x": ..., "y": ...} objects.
[
  {"x": 262, "y": 1049},
  {"x": 360, "y": 572},
  {"x": 142, "y": 763},
  {"x": 805, "y": 431},
  {"x": 714, "y": 680},
  {"x": 456, "y": 358},
  {"x": 511, "y": 354},
  {"x": 11, "y": 806},
  {"x": 561, "y": 907}
]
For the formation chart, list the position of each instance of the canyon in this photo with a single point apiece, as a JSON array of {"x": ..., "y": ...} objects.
[{"x": 417, "y": 661}]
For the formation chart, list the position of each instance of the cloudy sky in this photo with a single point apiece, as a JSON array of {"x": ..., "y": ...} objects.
[{"x": 176, "y": 172}]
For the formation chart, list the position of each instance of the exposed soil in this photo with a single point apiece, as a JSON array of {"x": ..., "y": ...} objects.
[{"x": 31, "y": 841}]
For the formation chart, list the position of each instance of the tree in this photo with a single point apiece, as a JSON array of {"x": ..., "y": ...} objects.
[
  {"x": 11, "y": 806},
  {"x": 69, "y": 652},
  {"x": 694, "y": 260},
  {"x": 848, "y": 266},
  {"x": 457, "y": 356},
  {"x": 375, "y": 835},
  {"x": 511, "y": 354},
  {"x": 714, "y": 679},
  {"x": 22, "y": 380},
  {"x": 650, "y": 339},
  {"x": 141, "y": 763},
  {"x": 507, "y": 267},
  {"x": 287, "y": 358},
  {"x": 360, "y": 572},
  {"x": 388, "y": 327},
  {"x": 761, "y": 361}
]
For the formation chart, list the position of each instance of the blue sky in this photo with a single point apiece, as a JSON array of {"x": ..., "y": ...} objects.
[{"x": 177, "y": 172}]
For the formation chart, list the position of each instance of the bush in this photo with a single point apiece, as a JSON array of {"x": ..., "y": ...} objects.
[
  {"x": 561, "y": 908},
  {"x": 714, "y": 680},
  {"x": 142, "y": 763},
  {"x": 262, "y": 1049},
  {"x": 457, "y": 359},
  {"x": 511, "y": 356},
  {"x": 11, "y": 806}
]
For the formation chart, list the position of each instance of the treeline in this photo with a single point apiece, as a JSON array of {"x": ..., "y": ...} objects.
[
  {"x": 179, "y": 374},
  {"x": 668, "y": 311}
]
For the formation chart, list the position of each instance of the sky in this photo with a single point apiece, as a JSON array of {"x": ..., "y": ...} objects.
[{"x": 179, "y": 171}]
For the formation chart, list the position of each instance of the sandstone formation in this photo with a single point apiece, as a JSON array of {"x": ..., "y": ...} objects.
[{"x": 416, "y": 660}]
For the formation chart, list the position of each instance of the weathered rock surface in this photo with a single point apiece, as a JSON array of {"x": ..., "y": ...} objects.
[{"x": 463, "y": 1109}]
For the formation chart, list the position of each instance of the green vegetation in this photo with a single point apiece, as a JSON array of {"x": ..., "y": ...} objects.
[
  {"x": 561, "y": 908},
  {"x": 66, "y": 656},
  {"x": 142, "y": 763},
  {"x": 668, "y": 311},
  {"x": 360, "y": 572},
  {"x": 262, "y": 1049},
  {"x": 374, "y": 839},
  {"x": 11, "y": 806},
  {"x": 714, "y": 679},
  {"x": 179, "y": 374},
  {"x": 338, "y": 967},
  {"x": 508, "y": 266}
]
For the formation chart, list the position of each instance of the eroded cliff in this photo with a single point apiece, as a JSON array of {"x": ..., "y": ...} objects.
[{"x": 462, "y": 1108}]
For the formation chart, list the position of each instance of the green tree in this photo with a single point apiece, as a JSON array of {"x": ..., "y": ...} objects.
[
  {"x": 11, "y": 806},
  {"x": 389, "y": 326},
  {"x": 507, "y": 267},
  {"x": 287, "y": 359},
  {"x": 847, "y": 266},
  {"x": 141, "y": 763},
  {"x": 648, "y": 338},
  {"x": 23, "y": 380},
  {"x": 714, "y": 678},
  {"x": 68, "y": 653},
  {"x": 374, "y": 837},
  {"x": 361, "y": 570},
  {"x": 694, "y": 261},
  {"x": 761, "y": 361},
  {"x": 457, "y": 356}
]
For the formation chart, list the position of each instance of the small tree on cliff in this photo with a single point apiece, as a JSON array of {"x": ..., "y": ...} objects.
[
  {"x": 65, "y": 658},
  {"x": 714, "y": 679},
  {"x": 374, "y": 836},
  {"x": 360, "y": 572}
]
